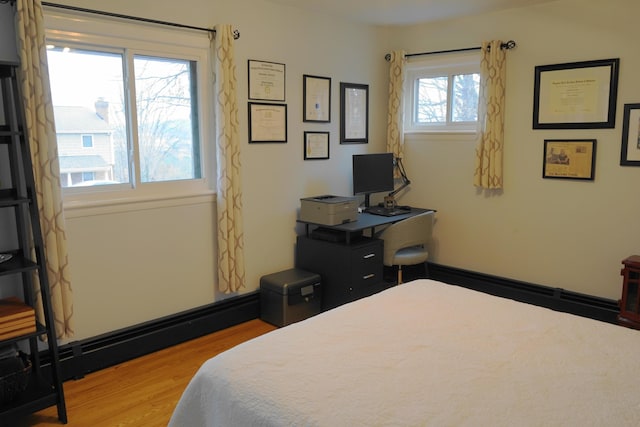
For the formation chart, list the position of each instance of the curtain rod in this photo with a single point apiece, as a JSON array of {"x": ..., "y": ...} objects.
[
  {"x": 236, "y": 33},
  {"x": 506, "y": 45}
]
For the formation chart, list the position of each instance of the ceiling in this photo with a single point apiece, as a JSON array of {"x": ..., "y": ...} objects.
[{"x": 405, "y": 12}]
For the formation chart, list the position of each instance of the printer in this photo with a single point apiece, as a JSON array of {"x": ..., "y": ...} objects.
[{"x": 328, "y": 209}]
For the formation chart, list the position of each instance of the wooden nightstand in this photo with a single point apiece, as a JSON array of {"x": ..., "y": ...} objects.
[{"x": 630, "y": 302}]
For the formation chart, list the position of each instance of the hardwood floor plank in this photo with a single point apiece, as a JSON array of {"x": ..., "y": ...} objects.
[{"x": 143, "y": 391}]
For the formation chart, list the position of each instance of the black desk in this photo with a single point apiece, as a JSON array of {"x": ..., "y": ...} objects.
[
  {"x": 352, "y": 267},
  {"x": 365, "y": 221}
]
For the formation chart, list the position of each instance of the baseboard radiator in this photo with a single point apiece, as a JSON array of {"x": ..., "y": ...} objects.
[{"x": 82, "y": 357}]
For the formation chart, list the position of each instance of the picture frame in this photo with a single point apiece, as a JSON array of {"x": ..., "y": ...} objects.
[
  {"x": 576, "y": 95},
  {"x": 316, "y": 93},
  {"x": 266, "y": 80},
  {"x": 316, "y": 145},
  {"x": 354, "y": 113},
  {"x": 267, "y": 122},
  {"x": 630, "y": 147},
  {"x": 569, "y": 159}
]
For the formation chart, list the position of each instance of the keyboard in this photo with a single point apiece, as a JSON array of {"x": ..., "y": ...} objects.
[{"x": 382, "y": 211}]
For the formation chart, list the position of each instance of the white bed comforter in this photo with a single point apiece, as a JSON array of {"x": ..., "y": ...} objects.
[{"x": 424, "y": 354}]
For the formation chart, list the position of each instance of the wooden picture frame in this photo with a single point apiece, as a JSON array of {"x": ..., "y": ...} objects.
[
  {"x": 354, "y": 113},
  {"x": 630, "y": 147},
  {"x": 316, "y": 94},
  {"x": 577, "y": 95},
  {"x": 267, "y": 122},
  {"x": 316, "y": 145},
  {"x": 569, "y": 159}
]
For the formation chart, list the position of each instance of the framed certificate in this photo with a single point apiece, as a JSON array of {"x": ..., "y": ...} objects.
[
  {"x": 354, "y": 113},
  {"x": 316, "y": 92},
  {"x": 578, "y": 95},
  {"x": 266, "y": 81},
  {"x": 316, "y": 145},
  {"x": 267, "y": 122}
]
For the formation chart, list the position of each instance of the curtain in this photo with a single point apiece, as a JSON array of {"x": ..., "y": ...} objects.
[
  {"x": 38, "y": 107},
  {"x": 395, "y": 134},
  {"x": 490, "y": 143},
  {"x": 231, "y": 274}
]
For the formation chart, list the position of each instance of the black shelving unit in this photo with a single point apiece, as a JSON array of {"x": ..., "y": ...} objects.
[{"x": 28, "y": 257}]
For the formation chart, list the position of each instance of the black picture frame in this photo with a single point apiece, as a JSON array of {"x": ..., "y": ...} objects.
[
  {"x": 576, "y": 95},
  {"x": 630, "y": 147},
  {"x": 316, "y": 145},
  {"x": 354, "y": 113},
  {"x": 316, "y": 95},
  {"x": 266, "y": 80},
  {"x": 267, "y": 122},
  {"x": 569, "y": 159}
]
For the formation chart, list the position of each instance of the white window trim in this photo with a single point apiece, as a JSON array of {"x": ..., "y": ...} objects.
[
  {"x": 153, "y": 40},
  {"x": 433, "y": 66}
]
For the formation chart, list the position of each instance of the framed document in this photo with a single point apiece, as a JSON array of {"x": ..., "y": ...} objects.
[
  {"x": 354, "y": 113},
  {"x": 569, "y": 159},
  {"x": 630, "y": 149},
  {"x": 316, "y": 93},
  {"x": 316, "y": 145},
  {"x": 266, "y": 81},
  {"x": 267, "y": 122},
  {"x": 578, "y": 95}
]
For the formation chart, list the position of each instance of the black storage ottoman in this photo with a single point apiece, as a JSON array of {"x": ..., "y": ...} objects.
[{"x": 289, "y": 296}]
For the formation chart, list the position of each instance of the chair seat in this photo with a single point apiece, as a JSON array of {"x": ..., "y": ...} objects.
[{"x": 410, "y": 256}]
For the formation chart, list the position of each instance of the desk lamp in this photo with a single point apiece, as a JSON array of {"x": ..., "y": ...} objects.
[{"x": 389, "y": 200}]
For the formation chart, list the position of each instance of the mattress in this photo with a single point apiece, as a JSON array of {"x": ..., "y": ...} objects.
[{"x": 424, "y": 353}]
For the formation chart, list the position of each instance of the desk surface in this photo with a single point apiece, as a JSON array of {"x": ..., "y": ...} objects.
[{"x": 367, "y": 220}]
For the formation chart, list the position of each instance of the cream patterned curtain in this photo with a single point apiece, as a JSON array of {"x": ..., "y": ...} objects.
[
  {"x": 395, "y": 134},
  {"x": 44, "y": 154},
  {"x": 490, "y": 143},
  {"x": 231, "y": 275}
]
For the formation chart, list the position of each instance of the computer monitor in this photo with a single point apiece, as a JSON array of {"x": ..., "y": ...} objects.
[{"x": 372, "y": 173}]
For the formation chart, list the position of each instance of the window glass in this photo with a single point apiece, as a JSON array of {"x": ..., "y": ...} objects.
[
  {"x": 87, "y": 90},
  {"x": 166, "y": 118}
]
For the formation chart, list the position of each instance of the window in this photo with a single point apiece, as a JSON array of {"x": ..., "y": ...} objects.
[
  {"x": 139, "y": 100},
  {"x": 87, "y": 141},
  {"x": 441, "y": 93}
]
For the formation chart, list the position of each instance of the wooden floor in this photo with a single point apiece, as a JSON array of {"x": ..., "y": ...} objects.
[{"x": 143, "y": 391}]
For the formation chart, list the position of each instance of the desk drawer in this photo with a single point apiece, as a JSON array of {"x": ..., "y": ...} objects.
[{"x": 366, "y": 264}]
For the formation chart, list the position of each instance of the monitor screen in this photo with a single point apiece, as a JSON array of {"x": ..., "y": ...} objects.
[{"x": 372, "y": 173}]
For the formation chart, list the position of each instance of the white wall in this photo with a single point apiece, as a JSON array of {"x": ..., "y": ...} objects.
[{"x": 560, "y": 233}]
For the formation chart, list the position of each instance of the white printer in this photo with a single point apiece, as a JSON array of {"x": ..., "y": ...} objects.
[{"x": 328, "y": 209}]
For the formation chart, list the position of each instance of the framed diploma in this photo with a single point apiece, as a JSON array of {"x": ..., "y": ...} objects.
[
  {"x": 630, "y": 149},
  {"x": 354, "y": 113},
  {"x": 316, "y": 93},
  {"x": 578, "y": 95},
  {"x": 569, "y": 159},
  {"x": 266, "y": 81},
  {"x": 267, "y": 122},
  {"x": 316, "y": 145}
]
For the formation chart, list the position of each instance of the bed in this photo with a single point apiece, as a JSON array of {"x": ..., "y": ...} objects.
[{"x": 424, "y": 353}]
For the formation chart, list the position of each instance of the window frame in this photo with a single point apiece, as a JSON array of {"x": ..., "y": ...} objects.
[
  {"x": 82, "y": 30},
  {"x": 429, "y": 66}
]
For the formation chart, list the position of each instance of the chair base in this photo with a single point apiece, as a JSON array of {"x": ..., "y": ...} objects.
[{"x": 409, "y": 272}]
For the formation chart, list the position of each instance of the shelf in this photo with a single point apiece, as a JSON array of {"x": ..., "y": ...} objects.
[
  {"x": 17, "y": 264},
  {"x": 40, "y": 394},
  {"x": 9, "y": 198}
]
